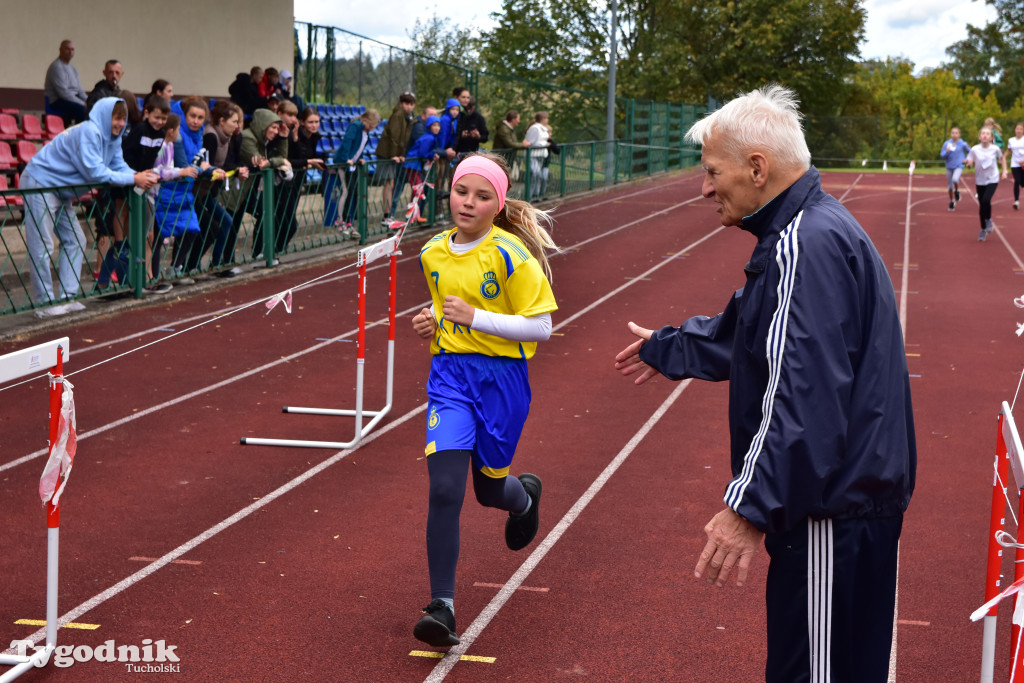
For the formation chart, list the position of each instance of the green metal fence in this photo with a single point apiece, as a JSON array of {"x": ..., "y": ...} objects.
[{"x": 63, "y": 244}]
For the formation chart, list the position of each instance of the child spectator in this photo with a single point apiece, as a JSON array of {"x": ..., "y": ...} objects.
[
  {"x": 471, "y": 131},
  {"x": 222, "y": 140},
  {"x": 391, "y": 149},
  {"x": 87, "y": 153},
  {"x": 141, "y": 146},
  {"x": 426, "y": 149},
  {"x": 248, "y": 199},
  {"x": 350, "y": 154},
  {"x": 175, "y": 206},
  {"x": 270, "y": 83}
]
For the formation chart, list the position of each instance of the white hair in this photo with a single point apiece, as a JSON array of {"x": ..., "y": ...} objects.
[{"x": 765, "y": 120}]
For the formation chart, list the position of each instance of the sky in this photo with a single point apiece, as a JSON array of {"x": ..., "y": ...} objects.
[{"x": 918, "y": 30}]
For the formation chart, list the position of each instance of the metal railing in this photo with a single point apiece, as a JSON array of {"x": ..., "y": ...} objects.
[{"x": 62, "y": 244}]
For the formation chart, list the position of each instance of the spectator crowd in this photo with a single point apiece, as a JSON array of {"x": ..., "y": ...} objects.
[{"x": 197, "y": 164}]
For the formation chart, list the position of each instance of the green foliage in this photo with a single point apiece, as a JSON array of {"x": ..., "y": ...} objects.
[
  {"x": 991, "y": 58},
  {"x": 690, "y": 50}
]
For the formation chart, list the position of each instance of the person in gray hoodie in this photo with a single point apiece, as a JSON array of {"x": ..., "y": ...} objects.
[{"x": 85, "y": 154}]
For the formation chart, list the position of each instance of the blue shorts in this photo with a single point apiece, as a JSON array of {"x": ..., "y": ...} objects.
[{"x": 478, "y": 403}]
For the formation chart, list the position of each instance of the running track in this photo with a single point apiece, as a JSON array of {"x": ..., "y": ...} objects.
[{"x": 277, "y": 563}]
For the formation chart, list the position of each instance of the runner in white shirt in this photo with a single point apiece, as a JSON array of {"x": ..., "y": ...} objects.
[
  {"x": 984, "y": 159},
  {"x": 1015, "y": 150}
]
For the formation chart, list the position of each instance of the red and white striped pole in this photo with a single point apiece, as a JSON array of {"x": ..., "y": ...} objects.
[{"x": 53, "y": 510}]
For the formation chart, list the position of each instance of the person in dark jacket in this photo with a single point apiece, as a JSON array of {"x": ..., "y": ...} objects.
[
  {"x": 394, "y": 141},
  {"x": 244, "y": 91},
  {"x": 820, "y": 418},
  {"x": 471, "y": 130}
]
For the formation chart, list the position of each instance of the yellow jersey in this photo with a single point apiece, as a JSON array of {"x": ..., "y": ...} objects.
[{"x": 499, "y": 275}]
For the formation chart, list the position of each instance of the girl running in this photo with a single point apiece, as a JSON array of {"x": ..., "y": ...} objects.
[
  {"x": 489, "y": 281},
  {"x": 1015, "y": 150},
  {"x": 954, "y": 151},
  {"x": 984, "y": 158}
]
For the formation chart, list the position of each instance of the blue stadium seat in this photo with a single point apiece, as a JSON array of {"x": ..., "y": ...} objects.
[
  {"x": 322, "y": 110},
  {"x": 346, "y": 111},
  {"x": 359, "y": 109},
  {"x": 141, "y": 101},
  {"x": 342, "y": 126},
  {"x": 321, "y": 146},
  {"x": 326, "y": 126},
  {"x": 336, "y": 110}
]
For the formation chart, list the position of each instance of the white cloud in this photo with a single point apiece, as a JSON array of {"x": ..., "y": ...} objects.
[{"x": 920, "y": 30}]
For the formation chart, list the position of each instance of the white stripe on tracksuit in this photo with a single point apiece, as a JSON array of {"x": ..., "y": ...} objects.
[
  {"x": 819, "y": 598},
  {"x": 786, "y": 254}
]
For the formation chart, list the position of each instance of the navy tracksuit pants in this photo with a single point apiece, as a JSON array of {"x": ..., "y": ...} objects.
[{"x": 831, "y": 595}]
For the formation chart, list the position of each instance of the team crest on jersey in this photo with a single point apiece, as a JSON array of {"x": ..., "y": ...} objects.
[
  {"x": 489, "y": 288},
  {"x": 434, "y": 418}
]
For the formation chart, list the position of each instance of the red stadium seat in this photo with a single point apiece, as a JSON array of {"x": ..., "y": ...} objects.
[
  {"x": 13, "y": 199},
  {"x": 54, "y": 126},
  {"x": 8, "y": 127},
  {"x": 7, "y": 159},
  {"x": 26, "y": 150},
  {"x": 10, "y": 110},
  {"x": 31, "y": 127}
]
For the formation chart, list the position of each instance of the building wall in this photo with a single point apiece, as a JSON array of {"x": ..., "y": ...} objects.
[{"x": 197, "y": 45}]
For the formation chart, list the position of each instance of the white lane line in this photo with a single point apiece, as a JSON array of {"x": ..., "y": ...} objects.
[
  {"x": 173, "y": 555},
  {"x": 498, "y": 601},
  {"x": 317, "y": 347},
  {"x": 199, "y": 392},
  {"x": 850, "y": 188},
  {"x": 316, "y": 469}
]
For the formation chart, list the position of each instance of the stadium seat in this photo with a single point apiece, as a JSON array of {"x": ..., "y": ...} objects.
[
  {"x": 31, "y": 128},
  {"x": 26, "y": 150},
  {"x": 326, "y": 126},
  {"x": 12, "y": 200},
  {"x": 141, "y": 101},
  {"x": 54, "y": 126},
  {"x": 341, "y": 126},
  {"x": 10, "y": 110},
  {"x": 323, "y": 111},
  {"x": 346, "y": 111},
  {"x": 359, "y": 109},
  {"x": 321, "y": 146},
  {"x": 7, "y": 159},
  {"x": 336, "y": 110},
  {"x": 8, "y": 127},
  {"x": 47, "y": 109}
]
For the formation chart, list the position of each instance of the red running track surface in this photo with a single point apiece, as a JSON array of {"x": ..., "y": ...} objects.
[{"x": 292, "y": 563}]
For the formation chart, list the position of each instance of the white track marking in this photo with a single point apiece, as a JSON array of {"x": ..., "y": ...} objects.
[
  {"x": 134, "y": 578},
  {"x": 498, "y": 601}
]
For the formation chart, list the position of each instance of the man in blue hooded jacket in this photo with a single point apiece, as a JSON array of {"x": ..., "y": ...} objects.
[
  {"x": 86, "y": 153},
  {"x": 820, "y": 419}
]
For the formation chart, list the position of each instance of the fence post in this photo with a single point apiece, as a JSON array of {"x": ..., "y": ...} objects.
[
  {"x": 268, "y": 216},
  {"x": 593, "y": 158},
  {"x": 527, "y": 175},
  {"x": 561, "y": 171},
  {"x": 361, "y": 204},
  {"x": 137, "y": 241}
]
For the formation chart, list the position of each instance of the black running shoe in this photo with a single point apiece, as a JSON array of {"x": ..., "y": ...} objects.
[
  {"x": 437, "y": 625},
  {"x": 956, "y": 194},
  {"x": 521, "y": 529}
]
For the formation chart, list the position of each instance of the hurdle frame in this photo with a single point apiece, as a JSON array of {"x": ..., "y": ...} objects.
[
  {"x": 386, "y": 248},
  {"x": 51, "y": 356},
  {"x": 1009, "y": 456}
]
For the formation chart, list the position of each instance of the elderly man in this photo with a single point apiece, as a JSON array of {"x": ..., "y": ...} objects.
[
  {"x": 109, "y": 86},
  {"x": 63, "y": 87},
  {"x": 822, "y": 433}
]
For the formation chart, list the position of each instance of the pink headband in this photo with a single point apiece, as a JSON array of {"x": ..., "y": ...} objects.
[{"x": 486, "y": 169}]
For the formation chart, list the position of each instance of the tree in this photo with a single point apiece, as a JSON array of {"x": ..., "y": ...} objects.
[
  {"x": 693, "y": 49},
  {"x": 991, "y": 58}
]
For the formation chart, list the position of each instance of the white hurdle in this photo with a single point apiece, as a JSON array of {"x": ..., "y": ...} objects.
[
  {"x": 386, "y": 248},
  {"x": 48, "y": 356}
]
